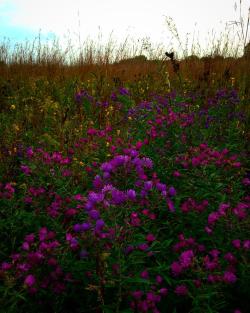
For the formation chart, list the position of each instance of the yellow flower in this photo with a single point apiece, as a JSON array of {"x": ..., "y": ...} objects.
[{"x": 12, "y": 107}]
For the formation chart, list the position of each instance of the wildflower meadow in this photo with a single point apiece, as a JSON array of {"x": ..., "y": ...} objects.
[{"x": 124, "y": 186}]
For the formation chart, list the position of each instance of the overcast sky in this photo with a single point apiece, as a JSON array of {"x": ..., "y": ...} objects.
[{"x": 20, "y": 19}]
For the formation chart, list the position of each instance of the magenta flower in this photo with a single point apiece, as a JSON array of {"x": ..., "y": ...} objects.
[
  {"x": 143, "y": 246},
  {"x": 229, "y": 277},
  {"x": 236, "y": 243},
  {"x": 159, "y": 279},
  {"x": 176, "y": 268},
  {"x": 144, "y": 274},
  {"x": 26, "y": 170},
  {"x": 186, "y": 258},
  {"x": 181, "y": 290},
  {"x": 163, "y": 291},
  {"x": 213, "y": 217},
  {"x": 30, "y": 280},
  {"x": 150, "y": 238},
  {"x": 137, "y": 294},
  {"x": 246, "y": 244}
]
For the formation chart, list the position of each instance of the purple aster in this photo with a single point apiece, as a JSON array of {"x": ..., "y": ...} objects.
[
  {"x": 123, "y": 91},
  {"x": 106, "y": 167},
  {"x": 161, "y": 187},
  {"x": 148, "y": 185},
  {"x": 94, "y": 197},
  {"x": 85, "y": 226},
  {"x": 77, "y": 228},
  {"x": 147, "y": 162},
  {"x": 131, "y": 194},
  {"x": 94, "y": 214},
  {"x": 118, "y": 196},
  {"x": 172, "y": 191},
  {"x": 99, "y": 224}
]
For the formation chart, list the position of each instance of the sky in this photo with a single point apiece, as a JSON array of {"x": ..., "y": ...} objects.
[{"x": 81, "y": 19}]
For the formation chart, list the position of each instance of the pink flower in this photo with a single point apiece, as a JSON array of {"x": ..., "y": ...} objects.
[
  {"x": 30, "y": 280},
  {"x": 150, "y": 238}
]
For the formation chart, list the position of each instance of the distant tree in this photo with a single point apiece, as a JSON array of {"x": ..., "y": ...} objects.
[
  {"x": 192, "y": 57},
  {"x": 137, "y": 58}
]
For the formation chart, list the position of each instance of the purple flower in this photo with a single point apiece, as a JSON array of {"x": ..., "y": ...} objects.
[
  {"x": 99, "y": 224},
  {"x": 85, "y": 226},
  {"x": 94, "y": 197},
  {"x": 118, "y": 196},
  {"x": 148, "y": 185},
  {"x": 106, "y": 167},
  {"x": 172, "y": 191},
  {"x": 161, "y": 187},
  {"x": 123, "y": 91},
  {"x": 77, "y": 228},
  {"x": 131, "y": 194},
  {"x": 94, "y": 214}
]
